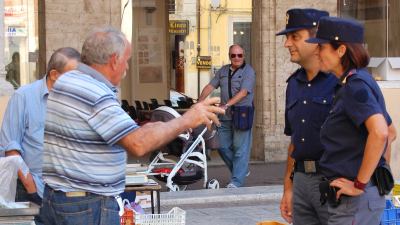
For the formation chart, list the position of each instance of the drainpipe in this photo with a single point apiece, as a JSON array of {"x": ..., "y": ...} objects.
[
  {"x": 209, "y": 31},
  {"x": 198, "y": 47}
]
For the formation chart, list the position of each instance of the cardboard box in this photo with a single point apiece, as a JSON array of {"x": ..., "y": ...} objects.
[
  {"x": 143, "y": 198},
  {"x": 385, "y": 68}
]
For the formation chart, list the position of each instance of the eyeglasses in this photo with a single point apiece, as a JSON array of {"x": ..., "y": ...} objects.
[{"x": 238, "y": 55}]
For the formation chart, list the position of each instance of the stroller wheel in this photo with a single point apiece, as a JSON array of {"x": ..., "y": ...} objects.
[
  {"x": 213, "y": 184},
  {"x": 182, "y": 188}
]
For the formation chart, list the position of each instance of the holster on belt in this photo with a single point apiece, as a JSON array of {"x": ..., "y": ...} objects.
[
  {"x": 328, "y": 193},
  {"x": 383, "y": 179}
]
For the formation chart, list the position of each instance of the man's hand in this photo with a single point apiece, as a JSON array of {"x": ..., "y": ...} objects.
[
  {"x": 27, "y": 181},
  {"x": 203, "y": 112},
  {"x": 152, "y": 136},
  {"x": 287, "y": 206},
  {"x": 12, "y": 152},
  {"x": 346, "y": 187}
]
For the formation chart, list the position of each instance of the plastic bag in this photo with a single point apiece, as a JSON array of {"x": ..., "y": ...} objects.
[
  {"x": 9, "y": 167},
  {"x": 130, "y": 210}
]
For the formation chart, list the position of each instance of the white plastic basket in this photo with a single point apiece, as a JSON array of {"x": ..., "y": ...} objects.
[{"x": 176, "y": 216}]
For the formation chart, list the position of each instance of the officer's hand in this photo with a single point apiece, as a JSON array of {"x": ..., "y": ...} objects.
[
  {"x": 204, "y": 112},
  {"x": 346, "y": 187},
  {"x": 287, "y": 206}
]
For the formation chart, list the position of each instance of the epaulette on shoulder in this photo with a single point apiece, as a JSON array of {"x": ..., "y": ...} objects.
[{"x": 293, "y": 75}]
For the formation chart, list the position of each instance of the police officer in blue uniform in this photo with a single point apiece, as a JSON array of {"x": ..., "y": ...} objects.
[
  {"x": 356, "y": 131},
  {"x": 309, "y": 96}
]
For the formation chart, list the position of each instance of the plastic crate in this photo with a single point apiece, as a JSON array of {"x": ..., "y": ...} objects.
[
  {"x": 396, "y": 189},
  {"x": 176, "y": 216},
  {"x": 390, "y": 215}
]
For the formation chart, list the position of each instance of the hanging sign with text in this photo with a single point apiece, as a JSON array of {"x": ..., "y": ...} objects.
[
  {"x": 204, "y": 62},
  {"x": 180, "y": 27}
]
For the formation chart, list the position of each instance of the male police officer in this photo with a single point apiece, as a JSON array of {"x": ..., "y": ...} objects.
[{"x": 309, "y": 96}]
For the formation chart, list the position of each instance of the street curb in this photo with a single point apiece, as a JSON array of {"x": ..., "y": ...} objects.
[{"x": 223, "y": 195}]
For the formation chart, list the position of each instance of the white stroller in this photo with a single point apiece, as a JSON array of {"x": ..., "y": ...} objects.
[{"x": 192, "y": 164}]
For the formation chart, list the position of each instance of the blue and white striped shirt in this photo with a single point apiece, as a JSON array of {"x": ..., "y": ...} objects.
[{"x": 84, "y": 122}]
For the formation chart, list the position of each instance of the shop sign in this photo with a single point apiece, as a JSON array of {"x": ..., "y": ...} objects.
[
  {"x": 204, "y": 62},
  {"x": 14, "y": 31},
  {"x": 15, "y": 11},
  {"x": 180, "y": 27}
]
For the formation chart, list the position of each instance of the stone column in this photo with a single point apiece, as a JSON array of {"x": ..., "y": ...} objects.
[
  {"x": 269, "y": 143},
  {"x": 6, "y": 89}
]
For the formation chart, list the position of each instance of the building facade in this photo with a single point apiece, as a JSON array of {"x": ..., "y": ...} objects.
[{"x": 163, "y": 58}]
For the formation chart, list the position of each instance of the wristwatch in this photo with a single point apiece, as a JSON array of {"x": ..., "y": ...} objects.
[{"x": 359, "y": 185}]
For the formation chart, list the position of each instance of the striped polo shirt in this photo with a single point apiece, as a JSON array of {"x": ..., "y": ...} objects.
[{"x": 84, "y": 122}]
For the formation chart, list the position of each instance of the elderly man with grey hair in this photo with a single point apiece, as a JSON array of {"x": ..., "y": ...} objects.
[
  {"x": 23, "y": 124},
  {"x": 87, "y": 134}
]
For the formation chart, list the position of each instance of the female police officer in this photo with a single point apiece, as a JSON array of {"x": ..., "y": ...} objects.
[{"x": 356, "y": 130}]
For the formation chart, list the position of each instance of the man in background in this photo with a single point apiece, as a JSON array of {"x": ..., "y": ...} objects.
[
  {"x": 236, "y": 81},
  {"x": 23, "y": 124}
]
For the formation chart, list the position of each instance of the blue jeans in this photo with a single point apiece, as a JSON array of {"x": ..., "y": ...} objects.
[
  {"x": 235, "y": 150},
  {"x": 21, "y": 195},
  {"x": 91, "y": 209}
]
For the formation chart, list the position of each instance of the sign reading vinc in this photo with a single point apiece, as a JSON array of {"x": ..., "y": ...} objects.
[
  {"x": 179, "y": 27},
  {"x": 204, "y": 62}
]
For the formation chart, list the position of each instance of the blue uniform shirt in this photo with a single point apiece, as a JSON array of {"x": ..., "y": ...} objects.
[
  {"x": 307, "y": 106},
  {"x": 23, "y": 127},
  {"x": 344, "y": 134},
  {"x": 244, "y": 78}
]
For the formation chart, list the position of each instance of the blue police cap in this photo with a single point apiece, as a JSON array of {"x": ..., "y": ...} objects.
[
  {"x": 338, "y": 29},
  {"x": 297, "y": 19}
]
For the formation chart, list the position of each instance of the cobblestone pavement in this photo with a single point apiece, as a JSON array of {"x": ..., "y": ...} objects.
[{"x": 244, "y": 213}]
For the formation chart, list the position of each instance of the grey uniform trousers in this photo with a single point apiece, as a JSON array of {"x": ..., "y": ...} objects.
[
  {"x": 307, "y": 209},
  {"x": 365, "y": 209}
]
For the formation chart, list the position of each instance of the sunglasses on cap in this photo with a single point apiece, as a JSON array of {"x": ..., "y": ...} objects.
[{"x": 236, "y": 55}]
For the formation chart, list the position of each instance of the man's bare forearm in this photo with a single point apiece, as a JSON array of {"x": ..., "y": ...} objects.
[
  {"x": 287, "y": 185},
  {"x": 27, "y": 180},
  {"x": 238, "y": 97},
  {"x": 206, "y": 92},
  {"x": 152, "y": 136}
]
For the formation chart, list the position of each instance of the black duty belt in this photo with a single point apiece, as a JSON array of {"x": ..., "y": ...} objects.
[{"x": 306, "y": 166}]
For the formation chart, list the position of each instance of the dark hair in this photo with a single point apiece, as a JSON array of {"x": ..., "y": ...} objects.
[
  {"x": 60, "y": 57},
  {"x": 356, "y": 55},
  {"x": 15, "y": 56}
]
